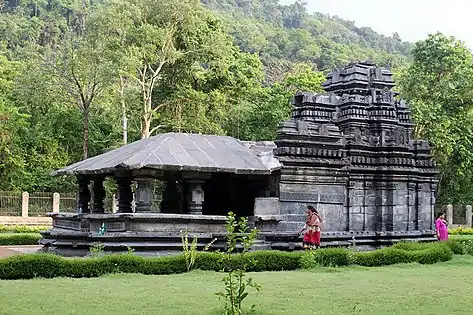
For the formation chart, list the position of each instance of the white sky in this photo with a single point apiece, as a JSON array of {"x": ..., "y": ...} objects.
[{"x": 413, "y": 20}]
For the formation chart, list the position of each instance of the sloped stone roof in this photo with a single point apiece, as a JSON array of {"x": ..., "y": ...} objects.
[{"x": 180, "y": 152}]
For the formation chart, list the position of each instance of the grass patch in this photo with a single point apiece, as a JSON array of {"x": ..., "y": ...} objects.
[{"x": 395, "y": 290}]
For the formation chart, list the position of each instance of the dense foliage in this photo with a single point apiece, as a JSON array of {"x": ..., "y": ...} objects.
[
  {"x": 283, "y": 34},
  {"x": 438, "y": 85},
  {"x": 79, "y": 78}
]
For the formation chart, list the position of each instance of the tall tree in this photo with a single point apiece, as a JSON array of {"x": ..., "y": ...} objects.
[
  {"x": 439, "y": 88},
  {"x": 157, "y": 37},
  {"x": 82, "y": 72}
]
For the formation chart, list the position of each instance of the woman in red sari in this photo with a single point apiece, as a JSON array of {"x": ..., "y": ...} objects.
[{"x": 312, "y": 229}]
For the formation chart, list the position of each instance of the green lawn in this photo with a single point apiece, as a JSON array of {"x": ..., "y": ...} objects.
[
  {"x": 466, "y": 237},
  {"x": 445, "y": 288}
]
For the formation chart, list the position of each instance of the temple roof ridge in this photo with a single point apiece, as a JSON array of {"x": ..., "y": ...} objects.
[{"x": 178, "y": 152}]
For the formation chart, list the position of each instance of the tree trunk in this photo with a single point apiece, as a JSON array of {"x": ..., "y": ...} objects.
[
  {"x": 125, "y": 121},
  {"x": 125, "y": 125},
  {"x": 85, "y": 127},
  {"x": 145, "y": 125},
  {"x": 147, "y": 114}
]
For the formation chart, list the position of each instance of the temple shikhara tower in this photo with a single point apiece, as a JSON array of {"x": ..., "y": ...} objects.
[{"x": 350, "y": 152}]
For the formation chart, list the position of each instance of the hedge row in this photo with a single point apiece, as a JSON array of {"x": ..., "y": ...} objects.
[
  {"x": 429, "y": 253},
  {"x": 19, "y": 239},
  {"x": 49, "y": 266},
  {"x": 461, "y": 231},
  {"x": 22, "y": 228}
]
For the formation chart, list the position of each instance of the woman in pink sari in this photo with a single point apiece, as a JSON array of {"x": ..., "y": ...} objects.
[{"x": 441, "y": 227}]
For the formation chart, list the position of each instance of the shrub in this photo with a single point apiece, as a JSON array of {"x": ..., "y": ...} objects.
[
  {"x": 461, "y": 231},
  {"x": 411, "y": 246},
  {"x": 274, "y": 261},
  {"x": 164, "y": 265},
  {"x": 424, "y": 253},
  {"x": 47, "y": 265},
  {"x": 455, "y": 246},
  {"x": 22, "y": 228},
  {"x": 330, "y": 257},
  {"x": 19, "y": 239},
  {"x": 435, "y": 254},
  {"x": 31, "y": 266},
  {"x": 383, "y": 257}
]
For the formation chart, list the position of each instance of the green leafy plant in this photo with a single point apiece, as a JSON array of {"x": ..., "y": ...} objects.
[
  {"x": 22, "y": 229},
  {"x": 238, "y": 240},
  {"x": 130, "y": 250},
  {"x": 97, "y": 249},
  {"x": 461, "y": 231},
  {"x": 191, "y": 251}
]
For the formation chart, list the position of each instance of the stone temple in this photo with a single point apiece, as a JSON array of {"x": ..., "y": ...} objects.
[{"x": 350, "y": 152}]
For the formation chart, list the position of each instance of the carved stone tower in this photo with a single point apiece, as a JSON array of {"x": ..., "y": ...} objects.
[{"x": 351, "y": 153}]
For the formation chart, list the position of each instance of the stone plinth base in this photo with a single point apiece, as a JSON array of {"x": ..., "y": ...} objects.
[
  {"x": 74, "y": 234},
  {"x": 160, "y": 234},
  {"x": 361, "y": 240}
]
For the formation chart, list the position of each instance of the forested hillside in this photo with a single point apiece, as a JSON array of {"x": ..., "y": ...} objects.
[
  {"x": 81, "y": 77},
  {"x": 288, "y": 33}
]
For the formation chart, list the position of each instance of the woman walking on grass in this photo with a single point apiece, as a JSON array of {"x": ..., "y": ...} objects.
[
  {"x": 312, "y": 229},
  {"x": 441, "y": 227}
]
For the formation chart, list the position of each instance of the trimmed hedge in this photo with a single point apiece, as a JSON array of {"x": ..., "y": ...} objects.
[
  {"x": 330, "y": 257},
  {"x": 461, "y": 231},
  {"x": 19, "y": 239},
  {"x": 48, "y": 266},
  {"x": 22, "y": 228},
  {"x": 405, "y": 253},
  {"x": 255, "y": 261}
]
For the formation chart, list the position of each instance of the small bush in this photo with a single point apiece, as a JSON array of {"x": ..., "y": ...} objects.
[
  {"x": 330, "y": 257},
  {"x": 455, "y": 246},
  {"x": 465, "y": 246},
  {"x": 22, "y": 228},
  {"x": 164, "y": 265},
  {"x": 411, "y": 246},
  {"x": 274, "y": 261},
  {"x": 423, "y": 253},
  {"x": 19, "y": 239},
  {"x": 435, "y": 254},
  {"x": 383, "y": 257},
  {"x": 31, "y": 266},
  {"x": 461, "y": 231}
]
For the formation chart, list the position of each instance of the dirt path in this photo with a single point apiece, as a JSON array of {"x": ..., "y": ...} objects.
[{"x": 7, "y": 251}]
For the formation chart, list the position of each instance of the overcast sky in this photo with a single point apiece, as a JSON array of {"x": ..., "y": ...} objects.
[{"x": 413, "y": 20}]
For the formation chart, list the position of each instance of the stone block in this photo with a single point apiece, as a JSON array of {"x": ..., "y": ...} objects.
[
  {"x": 267, "y": 206},
  {"x": 356, "y": 221}
]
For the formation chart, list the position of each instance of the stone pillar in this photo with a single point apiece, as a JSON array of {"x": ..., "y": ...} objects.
[
  {"x": 56, "y": 200},
  {"x": 83, "y": 195},
  {"x": 143, "y": 194},
  {"x": 450, "y": 214},
  {"x": 114, "y": 204},
  {"x": 99, "y": 195},
  {"x": 25, "y": 200},
  {"x": 195, "y": 196},
  {"x": 125, "y": 195},
  {"x": 468, "y": 216}
]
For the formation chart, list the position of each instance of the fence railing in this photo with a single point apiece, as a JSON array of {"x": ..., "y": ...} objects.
[
  {"x": 36, "y": 204},
  {"x": 459, "y": 215}
]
